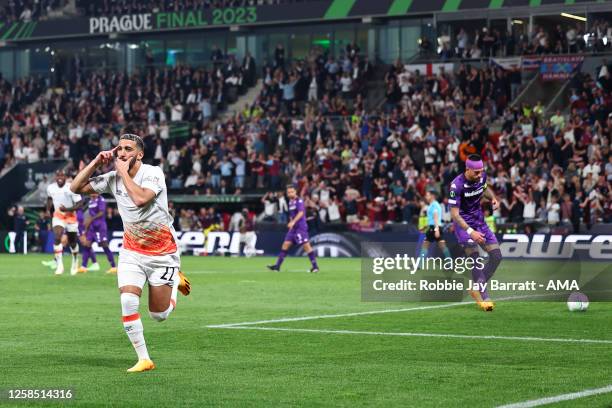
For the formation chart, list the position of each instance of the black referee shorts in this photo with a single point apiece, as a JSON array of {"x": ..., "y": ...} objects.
[{"x": 430, "y": 235}]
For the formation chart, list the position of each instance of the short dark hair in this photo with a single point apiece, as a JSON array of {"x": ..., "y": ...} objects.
[
  {"x": 474, "y": 157},
  {"x": 290, "y": 186},
  {"x": 133, "y": 138}
]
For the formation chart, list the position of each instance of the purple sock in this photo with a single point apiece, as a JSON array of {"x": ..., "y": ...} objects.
[
  {"x": 479, "y": 276},
  {"x": 86, "y": 255},
  {"x": 92, "y": 255},
  {"x": 281, "y": 258},
  {"x": 313, "y": 260},
  {"x": 109, "y": 256},
  {"x": 495, "y": 257}
]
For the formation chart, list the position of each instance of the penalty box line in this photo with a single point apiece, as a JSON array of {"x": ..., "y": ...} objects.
[{"x": 416, "y": 334}]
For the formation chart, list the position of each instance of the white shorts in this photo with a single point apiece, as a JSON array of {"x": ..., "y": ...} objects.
[
  {"x": 136, "y": 269},
  {"x": 67, "y": 226}
]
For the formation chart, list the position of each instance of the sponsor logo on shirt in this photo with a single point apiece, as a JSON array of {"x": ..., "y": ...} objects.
[{"x": 474, "y": 193}]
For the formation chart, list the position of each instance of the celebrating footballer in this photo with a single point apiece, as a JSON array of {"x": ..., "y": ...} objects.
[{"x": 150, "y": 253}]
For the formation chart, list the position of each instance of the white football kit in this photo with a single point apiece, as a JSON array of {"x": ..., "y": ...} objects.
[
  {"x": 150, "y": 246},
  {"x": 63, "y": 196}
]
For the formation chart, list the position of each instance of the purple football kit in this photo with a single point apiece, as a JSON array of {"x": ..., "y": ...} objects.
[
  {"x": 81, "y": 221},
  {"x": 466, "y": 196},
  {"x": 297, "y": 235},
  {"x": 98, "y": 230}
]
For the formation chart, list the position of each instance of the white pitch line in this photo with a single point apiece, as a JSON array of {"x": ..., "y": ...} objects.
[
  {"x": 559, "y": 398},
  {"x": 331, "y": 316},
  {"x": 408, "y": 334},
  {"x": 370, "y": 312}
]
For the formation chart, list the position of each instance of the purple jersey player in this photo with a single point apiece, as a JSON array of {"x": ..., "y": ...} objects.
[
  {"x": 96, "y": 231},
  {"x": 465, "y": 193},
  {"x": 298, "y": 231}
]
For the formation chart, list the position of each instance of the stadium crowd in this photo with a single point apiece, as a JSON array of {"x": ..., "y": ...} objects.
[
  {"x": 309, "y": 127},
  {"x": 26, "y": 11},
  {"x": 492, "y": 42},
  {"x": 86, "y": 111}
]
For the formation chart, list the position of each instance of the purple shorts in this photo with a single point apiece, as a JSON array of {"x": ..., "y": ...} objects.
[
  {"x": 97, "y": 232},
  {"x": 297, "y": 237},
  {"x": 464, "y": 238}
]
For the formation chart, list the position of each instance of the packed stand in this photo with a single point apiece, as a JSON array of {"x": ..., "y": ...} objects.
[
  {"x": 372, "y": 169},
  {"x": 318, "y": 84},
  {"x": 27, "y": 11},
  {"x": 74, "y": 121},
  {"x": 491, "y": 42},
  {"x": 365, "y": 168}
]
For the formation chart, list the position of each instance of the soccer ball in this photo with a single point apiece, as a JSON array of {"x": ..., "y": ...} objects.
[{"x": 577, "y": 302}]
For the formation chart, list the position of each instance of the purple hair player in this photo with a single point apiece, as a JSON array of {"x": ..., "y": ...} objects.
[
  {"x": 95, "y": 230},
  {"x": 298, "y": 231},
  {"x": 465, "y": 193}
]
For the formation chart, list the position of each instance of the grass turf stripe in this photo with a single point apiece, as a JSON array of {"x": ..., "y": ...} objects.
[{"x": 495, "y": 4}]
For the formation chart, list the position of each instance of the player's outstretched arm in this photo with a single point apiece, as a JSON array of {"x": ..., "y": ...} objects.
[{"x": 80, "y": 184}]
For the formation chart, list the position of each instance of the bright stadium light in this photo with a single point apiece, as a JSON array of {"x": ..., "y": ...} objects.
[{"x": 573, "y": 16}]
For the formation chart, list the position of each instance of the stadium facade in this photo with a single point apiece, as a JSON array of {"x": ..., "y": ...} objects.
[{"x": 383, "y": 30}]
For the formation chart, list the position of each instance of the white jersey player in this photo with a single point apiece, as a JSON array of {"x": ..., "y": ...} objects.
[
  {"x": 150, "y": 251},
  {"x": 65, "y": 203}
]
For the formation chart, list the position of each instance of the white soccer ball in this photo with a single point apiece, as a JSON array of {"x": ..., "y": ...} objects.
[{"x": 577, "y": 302}]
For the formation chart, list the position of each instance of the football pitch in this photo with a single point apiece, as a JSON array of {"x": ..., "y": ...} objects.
[{"x": 250, "y": 337}]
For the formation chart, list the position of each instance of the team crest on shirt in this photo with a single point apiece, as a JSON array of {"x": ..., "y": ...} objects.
[{"x": 452, "y": 194}]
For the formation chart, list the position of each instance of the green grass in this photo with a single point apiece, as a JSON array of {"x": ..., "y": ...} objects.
[{"x": 59, "y": 332}]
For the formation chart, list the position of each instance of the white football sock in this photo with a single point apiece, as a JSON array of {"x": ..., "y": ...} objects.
[
  {"x": 75, "y": 254},
  {"x": 133, "y": 325},
  {"x": 57, "y": 251}
]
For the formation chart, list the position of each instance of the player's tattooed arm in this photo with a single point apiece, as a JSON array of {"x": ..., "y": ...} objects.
[
  {"x": 490, "y": 195},
  {"x": 475, "y": 235},
  {"x": 458, "y": 218}
]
